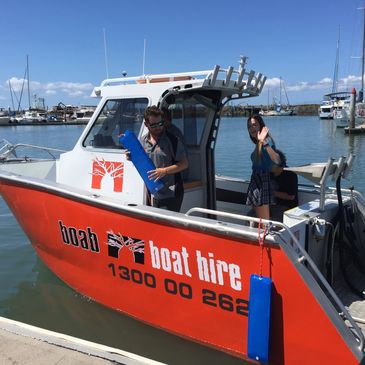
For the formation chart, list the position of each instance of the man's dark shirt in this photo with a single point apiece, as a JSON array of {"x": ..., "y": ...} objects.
[{"x": 287, "y": 182}]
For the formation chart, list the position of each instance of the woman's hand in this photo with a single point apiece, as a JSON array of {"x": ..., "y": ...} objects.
[
  {"x": 261, "y": 136},
  {"x": 157, "y": 174}
]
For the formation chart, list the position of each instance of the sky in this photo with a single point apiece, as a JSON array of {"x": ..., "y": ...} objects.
[{"x": 68, "y": 57}]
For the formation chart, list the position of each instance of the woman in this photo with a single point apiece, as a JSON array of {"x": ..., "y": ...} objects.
[{"x": 260, "y": 192}]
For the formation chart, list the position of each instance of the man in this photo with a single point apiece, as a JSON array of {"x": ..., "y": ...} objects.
[
  {"x": 286, "y": 189},
  {"x": 168, "y": 156}
]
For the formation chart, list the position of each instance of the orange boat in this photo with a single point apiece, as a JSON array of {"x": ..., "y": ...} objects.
[{"x": 266, "y": 292}]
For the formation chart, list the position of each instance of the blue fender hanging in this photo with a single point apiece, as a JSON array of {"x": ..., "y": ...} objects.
[
  {"x": 259, "y": 318},
  {"x": 259, "y": 310}
]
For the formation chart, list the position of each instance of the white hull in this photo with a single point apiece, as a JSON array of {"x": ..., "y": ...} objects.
[{"x": 4, "y": 120}]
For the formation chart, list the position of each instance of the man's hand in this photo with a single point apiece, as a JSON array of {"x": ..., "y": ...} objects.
[
  {"x": 127, "y": 155},
  {"x": 157, "y": 174}
]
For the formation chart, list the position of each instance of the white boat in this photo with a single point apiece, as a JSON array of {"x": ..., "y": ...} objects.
[
  {"x": 4, "y": 116},
  {"x": 341, "y": 100},
  {"x": 264, "y": 291},
  {"x": 30, "y": 116},
  {"x": 325, "y": 110},
  {"x": 277, "y": 109},
  {"x": 84, "y": 113},
  {"x": 334, "y": 105},
  {"x": 278, "y": 112}
]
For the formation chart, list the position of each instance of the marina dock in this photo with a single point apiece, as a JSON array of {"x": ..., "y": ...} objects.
[
  {"x": 29, "y": 345},
  {"x": 359, "y": 129}
]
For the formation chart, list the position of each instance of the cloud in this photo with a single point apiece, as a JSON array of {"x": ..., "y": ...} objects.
[
  {"x": 70, "y": 89},
  {"x": 350, "y": 80},
  {"x": 324, "y": 84},
  {"x": 76, "y": 93},
  {"x": 69, "y": 86}
]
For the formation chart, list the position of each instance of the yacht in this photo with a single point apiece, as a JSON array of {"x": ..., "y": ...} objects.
[
  {"x": 4, "y": 116},
  {"x": 334, "y": 105},
  {"x": 84, "y": 113}
]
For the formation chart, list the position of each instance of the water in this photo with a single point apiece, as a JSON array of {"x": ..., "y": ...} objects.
[{"x": 29, "y": 292}]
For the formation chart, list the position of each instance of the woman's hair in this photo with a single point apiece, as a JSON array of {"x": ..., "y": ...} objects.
[
  {"x": 282, "y": 159},
  {"x": 259, "y": 120}
]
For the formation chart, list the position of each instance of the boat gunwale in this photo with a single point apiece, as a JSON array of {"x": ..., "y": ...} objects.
[{"x": 179, "y": 220}]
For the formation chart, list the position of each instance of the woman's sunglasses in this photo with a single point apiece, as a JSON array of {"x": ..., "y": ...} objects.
[{"x": 156, "y": 125}]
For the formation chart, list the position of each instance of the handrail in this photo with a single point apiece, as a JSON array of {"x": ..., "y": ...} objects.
[
  {"x": 229, "y": 215},
  {"x": 11, "y": 149},
  {"x": 304, "y": 257}
]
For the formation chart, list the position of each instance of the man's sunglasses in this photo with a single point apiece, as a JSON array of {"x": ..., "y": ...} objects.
[{"x": 156, "y": 125}]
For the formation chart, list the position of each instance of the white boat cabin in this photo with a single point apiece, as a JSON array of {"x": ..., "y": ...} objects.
[{"x": 98, "y": 162}]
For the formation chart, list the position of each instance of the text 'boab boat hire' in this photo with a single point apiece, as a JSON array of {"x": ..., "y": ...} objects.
[{"x": 271, "y": 293}]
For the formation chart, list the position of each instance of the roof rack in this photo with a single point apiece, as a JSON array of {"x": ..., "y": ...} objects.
[{"x": 233, "y": 79}]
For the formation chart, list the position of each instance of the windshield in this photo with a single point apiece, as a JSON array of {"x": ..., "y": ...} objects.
[{"x": 115, "y": 118}]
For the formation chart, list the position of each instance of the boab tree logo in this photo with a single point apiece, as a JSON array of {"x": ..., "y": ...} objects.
[
  {"x": 107, "y": 171},
  {"x": 117, "y": 241}
]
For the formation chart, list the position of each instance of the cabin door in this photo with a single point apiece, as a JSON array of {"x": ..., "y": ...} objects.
[{"x": 193, "y": 113}]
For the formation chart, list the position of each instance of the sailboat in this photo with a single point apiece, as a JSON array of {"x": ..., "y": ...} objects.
[
  {"x": 334, "y": 104},
  {"x": 277, "y": 109},
  {"x": 341, "y": 110},
  {"x": 360, "y": 105},
  {"x": 36, "y": 112}
]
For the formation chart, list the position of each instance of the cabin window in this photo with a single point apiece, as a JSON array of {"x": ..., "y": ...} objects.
[
  {"x": 115, "y": 118},
  {"x": 189, "y": 113}
]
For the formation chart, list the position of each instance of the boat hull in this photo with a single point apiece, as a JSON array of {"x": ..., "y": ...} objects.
[{"x": 183, "y": 279}]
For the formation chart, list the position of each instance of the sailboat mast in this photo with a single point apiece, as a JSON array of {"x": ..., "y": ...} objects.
[
  {"x": 28, "y": 82},
  {"x": 11, "y": 95},
  {"x": 335, "y": 73},
  {"x": 362, "y": 59}
]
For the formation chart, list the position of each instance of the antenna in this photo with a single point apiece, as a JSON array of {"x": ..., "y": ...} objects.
[
  {"x": 105, "y": 56},
  {"x": 144, "y": 55}
]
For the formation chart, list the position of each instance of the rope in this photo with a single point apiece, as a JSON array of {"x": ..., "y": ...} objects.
[{"x": 261, "y": 243}]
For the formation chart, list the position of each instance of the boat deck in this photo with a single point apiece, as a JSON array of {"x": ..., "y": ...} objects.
[{"x": 353, "y": 302}]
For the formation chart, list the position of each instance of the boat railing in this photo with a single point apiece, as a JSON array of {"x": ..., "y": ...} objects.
[
  {"x": 302, "y": 258},
  {"x": 9, "y": 150},
  {"x": 147, "y": 78},
  {"x": 232, "y": 78}
]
